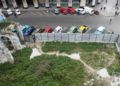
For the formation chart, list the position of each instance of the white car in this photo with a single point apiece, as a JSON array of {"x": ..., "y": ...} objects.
[
  {"x": 80, "y": 11},
  {"x": 89, "y": 10},
  {"x": 100, "y": 30},
  {"x": 17, "y": 11},
  {"x": 9, "y": 11},
  {"x": 58, "y": 29}
]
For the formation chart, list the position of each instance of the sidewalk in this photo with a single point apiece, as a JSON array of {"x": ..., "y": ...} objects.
[{"x": 107, "y": 8}]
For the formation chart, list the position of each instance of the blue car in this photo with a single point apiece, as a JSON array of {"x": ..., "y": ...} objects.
[{"x": 27, "y": 30}]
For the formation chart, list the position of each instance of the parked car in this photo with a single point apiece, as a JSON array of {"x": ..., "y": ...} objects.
[
  {"x": 27, "y": 30},
  {"x": 89, "y": 10},
  {"x": 80, "y": 11},
  {"x": 55, "y": 11},
  {"x": 73, "y": 29},
  {"x": 17, "y": 11},
  {"x": 5, "y": 13},
  {"x": 63, "y": 11},
  {"x": 9, "y": 12},
  {"x": 100, "y": 30},
  {"x": 71, "y": 10},
  {"x": 48, "y": 29},
  {"x": 83, "y": 28},
  {"x": 58, "y": 29},
  {"x": 41, "y": 30}
]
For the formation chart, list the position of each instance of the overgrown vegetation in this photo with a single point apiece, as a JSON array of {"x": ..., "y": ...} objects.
[
  {"x": 97, "y": 55},
  {"x": 41, "y": 71},
  {"x": 4, "y": 24},
  {"x": 72, "y": 47},
  {"x": 115, "y": 67}
]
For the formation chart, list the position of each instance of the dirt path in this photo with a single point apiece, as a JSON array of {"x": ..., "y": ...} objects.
[
  {"x": 72, "y": 56},
  {"x": 89, "y": 68},
  {"x": 111, "y": 61}
]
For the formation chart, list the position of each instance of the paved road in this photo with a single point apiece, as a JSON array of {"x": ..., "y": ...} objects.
[{"x": 36, "y": 18}]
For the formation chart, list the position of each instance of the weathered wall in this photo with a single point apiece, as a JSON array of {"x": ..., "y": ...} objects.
[{"x": 5, "y": 55}]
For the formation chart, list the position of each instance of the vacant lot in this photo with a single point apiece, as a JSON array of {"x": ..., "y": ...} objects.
[
  {"x": 41, "y": 71},
  {"x": 97, "y": 55},
  {"x": 51, "y": 70}
]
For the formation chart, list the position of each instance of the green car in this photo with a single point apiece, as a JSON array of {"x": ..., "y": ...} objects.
[{"x": 73, "y": 29}]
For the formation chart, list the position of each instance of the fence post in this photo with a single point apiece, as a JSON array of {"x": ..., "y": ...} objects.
[
  {"x": 82, "y": 37},
  {"x": 103, "y": 37},
  {"x": 68, "y": 37},
  {"x": 33, "y": 37},
  {"x": 89, "y": 37},
  {"x": 61, "y": 36},
  {"x": 118, "y": 38},
  {"x": 110, "y": 38},
  {"x": 54, "y": 37},
  {"x": 75, "y": 37},
  {"x": 47, "y": 37},
  {"x": 95, "y": 37},
  {"x": 41, "y": 35}
]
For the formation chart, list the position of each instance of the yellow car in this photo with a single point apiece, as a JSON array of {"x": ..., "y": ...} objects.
[{"x": 83, "y": 28}]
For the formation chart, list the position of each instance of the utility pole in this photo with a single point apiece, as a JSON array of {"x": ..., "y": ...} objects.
[{"x": 110, "y": 23}]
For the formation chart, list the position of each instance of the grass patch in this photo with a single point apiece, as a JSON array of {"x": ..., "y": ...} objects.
[
  {"x": 97, "y": 55},
  {"x": 72, "y": 47},
  {"x": 97, "y": 60},
  {"x": 4, "y": 24},
  {"x": 115, "y": 67},
  {"x": 41, "y": 71}
]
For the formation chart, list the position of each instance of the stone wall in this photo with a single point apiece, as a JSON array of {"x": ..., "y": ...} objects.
[{"x": 5, "y": 54}]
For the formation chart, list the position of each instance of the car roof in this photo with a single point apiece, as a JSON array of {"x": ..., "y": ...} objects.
[
  {"x": 58, "y": 27},
  {"x": 101, "y": 28},
  {"x": 82, "y": 27},
  {"x": 72, "y": 27},
  {"x": 26, "y": 26}
]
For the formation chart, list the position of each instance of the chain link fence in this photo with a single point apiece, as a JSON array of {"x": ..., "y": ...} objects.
[{"x": 75, "y": 37}]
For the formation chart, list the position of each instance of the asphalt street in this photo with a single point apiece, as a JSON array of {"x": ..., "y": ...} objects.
[{"x": 34, "y": 18}]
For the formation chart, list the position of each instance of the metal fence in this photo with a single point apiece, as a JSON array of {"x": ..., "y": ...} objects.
[{"x": 74, "y": 37}]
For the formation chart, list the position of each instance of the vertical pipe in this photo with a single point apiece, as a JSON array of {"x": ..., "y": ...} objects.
[
  {"x": 47, "y": 4},
  {"x": 58, "y": 3},
  {"x": 70, "y": 3},
  {"x": 4, "y": 4},
  {"x": 14, "y": 3},
  {"x": 35, "y": 2},
  {"x": 93, "y": 3},
  {"x": 82, "y": 3},
  {"x": 25, "y": 4},
  {"x": 99, "y": 1}
]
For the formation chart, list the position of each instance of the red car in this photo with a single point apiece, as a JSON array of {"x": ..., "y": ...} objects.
[
  {"x": 48, "y": 29},
  {"x": 71, "y": 10},
  {"x": 63, "y": 11}
]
